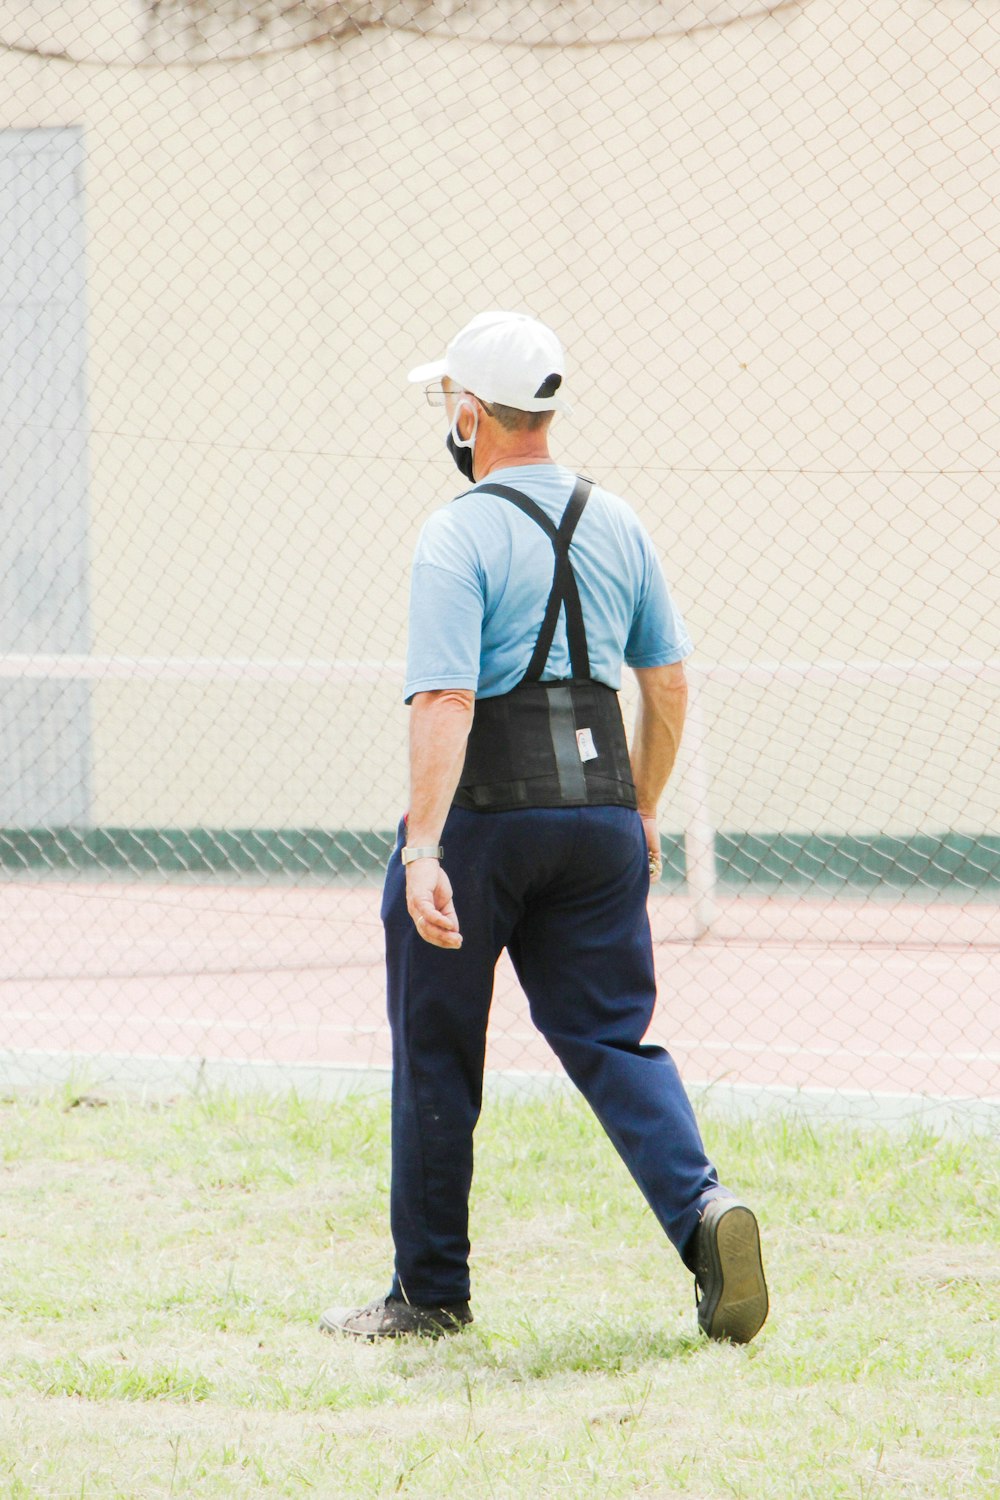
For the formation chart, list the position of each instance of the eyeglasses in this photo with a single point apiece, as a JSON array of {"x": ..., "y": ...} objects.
[{"x": 435, "y": 394}]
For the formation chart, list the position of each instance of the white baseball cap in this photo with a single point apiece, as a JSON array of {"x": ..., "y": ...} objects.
[{"x": 506, "y": 357}]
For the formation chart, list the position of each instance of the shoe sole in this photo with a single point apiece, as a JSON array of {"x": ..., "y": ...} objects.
[
  {"x": 371, "y": 1335},
  {"x": 734, "y": 1249}
]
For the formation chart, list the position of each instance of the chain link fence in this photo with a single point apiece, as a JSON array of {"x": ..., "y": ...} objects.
[{"x": 768, "y": 237}]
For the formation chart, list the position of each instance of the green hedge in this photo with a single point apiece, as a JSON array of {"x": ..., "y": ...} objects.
[{"x": 948, "y": 861}]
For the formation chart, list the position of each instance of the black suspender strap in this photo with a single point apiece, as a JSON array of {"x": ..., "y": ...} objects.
[{"x": 564, "y": 589}]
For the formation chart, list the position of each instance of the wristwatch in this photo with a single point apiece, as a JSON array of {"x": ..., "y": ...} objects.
[{"x": 408, "y": 854}]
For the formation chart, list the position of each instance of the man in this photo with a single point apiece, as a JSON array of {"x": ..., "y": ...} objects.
[{"x": 532, "y": 827}]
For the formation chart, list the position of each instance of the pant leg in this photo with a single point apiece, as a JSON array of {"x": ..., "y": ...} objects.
[
  {"x": 438, "y": 1004},
  {"x": 583, "y": 953}
]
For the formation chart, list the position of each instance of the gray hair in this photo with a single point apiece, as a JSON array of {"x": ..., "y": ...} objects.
[{"x": 513, "y": 419}]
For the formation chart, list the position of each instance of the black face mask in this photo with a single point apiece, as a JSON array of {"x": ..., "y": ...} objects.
[{"x": 462, "y": 457}]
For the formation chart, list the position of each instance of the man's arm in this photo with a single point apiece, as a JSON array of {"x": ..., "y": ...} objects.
[
  {"x": 439, "y": 729},
  {"x": 658, "y": 727}
]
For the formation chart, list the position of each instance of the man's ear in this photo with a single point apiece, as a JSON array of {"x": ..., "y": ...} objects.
[{"x": 467, "y": 417}]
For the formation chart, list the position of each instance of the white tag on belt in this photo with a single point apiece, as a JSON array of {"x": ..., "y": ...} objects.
[{"x": 585, "y": 744}]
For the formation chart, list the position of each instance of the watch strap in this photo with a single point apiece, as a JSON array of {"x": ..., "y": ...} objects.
[{"x": 425, "y": 851}]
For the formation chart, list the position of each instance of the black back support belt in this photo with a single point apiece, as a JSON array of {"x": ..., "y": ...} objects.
[{"x": 547, "y": 744}]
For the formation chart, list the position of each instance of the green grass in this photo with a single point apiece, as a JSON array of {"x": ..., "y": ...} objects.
[{"x": 162, "y": 1271}]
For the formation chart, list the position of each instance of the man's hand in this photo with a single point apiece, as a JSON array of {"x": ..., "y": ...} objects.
[
  {"x": 429, "y": 902},
  {"x": 652, "y": 832},
  {"x": 658, "y": 726}
]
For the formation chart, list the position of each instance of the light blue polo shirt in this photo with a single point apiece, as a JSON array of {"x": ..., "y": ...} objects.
[{"x": 482, "y": 573}]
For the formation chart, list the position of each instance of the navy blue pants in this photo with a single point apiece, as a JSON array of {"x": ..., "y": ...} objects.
[{"x": 564, "y": 891}]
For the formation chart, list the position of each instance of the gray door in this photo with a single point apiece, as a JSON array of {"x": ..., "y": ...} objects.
[{"x": 44, "y": 725}]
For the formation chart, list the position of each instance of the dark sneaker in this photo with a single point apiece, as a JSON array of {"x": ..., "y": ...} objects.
[
  {"x": 729, "y": 1288},
  {"x": 390, "y": 1318}
]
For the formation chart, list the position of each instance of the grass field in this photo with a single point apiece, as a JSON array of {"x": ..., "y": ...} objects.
[{"x": 162, "y": 1270}]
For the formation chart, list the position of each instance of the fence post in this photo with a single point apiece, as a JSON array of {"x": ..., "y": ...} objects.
[{"x": 699, "y": 835}]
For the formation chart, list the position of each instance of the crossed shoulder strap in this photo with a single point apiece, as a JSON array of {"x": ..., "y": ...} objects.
[{"x": 564, "y": 589}]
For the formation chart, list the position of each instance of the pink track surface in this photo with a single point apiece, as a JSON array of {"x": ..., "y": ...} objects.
[{"x": 840, "y": 994}]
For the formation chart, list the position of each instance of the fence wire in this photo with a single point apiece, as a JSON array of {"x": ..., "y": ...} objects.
[{"x": 768, "y": 237}]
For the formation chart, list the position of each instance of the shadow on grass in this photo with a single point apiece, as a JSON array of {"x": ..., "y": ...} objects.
[{"x": 530, "y": 1351}]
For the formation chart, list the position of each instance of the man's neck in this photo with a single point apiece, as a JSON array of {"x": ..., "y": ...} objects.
[{"x": 514, "y": 459}]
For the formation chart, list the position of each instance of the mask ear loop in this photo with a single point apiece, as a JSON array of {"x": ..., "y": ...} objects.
[{"x": 470, "y": 441}]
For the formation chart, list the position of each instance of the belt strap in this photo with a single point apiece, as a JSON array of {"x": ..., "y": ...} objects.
[{"x": 562, "y": 727}]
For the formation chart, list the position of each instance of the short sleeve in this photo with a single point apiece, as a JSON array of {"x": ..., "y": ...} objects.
[
  {"x": 658, "y": 635},
  {"x": 446, "y": 626}
]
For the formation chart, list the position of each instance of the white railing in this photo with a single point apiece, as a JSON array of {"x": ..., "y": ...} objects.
[{"x": 79, "y": 668}]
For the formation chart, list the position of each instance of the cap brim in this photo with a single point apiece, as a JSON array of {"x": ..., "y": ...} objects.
[
  {"x": 438, "y": 369},
  {"x": 433, "y": 371}
]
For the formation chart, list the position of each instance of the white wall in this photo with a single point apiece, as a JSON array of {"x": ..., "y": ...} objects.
[{"x": 772, "y": 252}]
